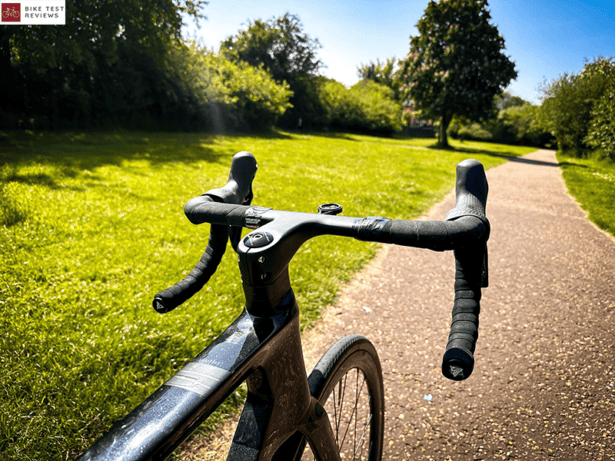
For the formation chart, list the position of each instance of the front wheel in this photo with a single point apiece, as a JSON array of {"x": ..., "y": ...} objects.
[{"x": 347, "y": 381}]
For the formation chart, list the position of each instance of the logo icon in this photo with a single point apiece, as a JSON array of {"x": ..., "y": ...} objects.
[{"x": 11, "y": 12}]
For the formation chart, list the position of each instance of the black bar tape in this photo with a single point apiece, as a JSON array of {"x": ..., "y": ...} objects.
[
  {"x": 169, "y": 299},
  {"x": 236, "y": 216},
  {"x": 458, "y": 360},
  {"x": 201, "y": 210},
  {"x": 436, "y": 235},
  {"x": 421, "y": 234}
]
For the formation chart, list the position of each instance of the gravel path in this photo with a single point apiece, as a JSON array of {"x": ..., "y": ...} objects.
[{"x": 544, "y": 380}]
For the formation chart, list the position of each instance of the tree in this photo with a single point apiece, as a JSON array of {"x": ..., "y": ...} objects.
[
  {"x": 382, "y": 73},
  {"x": 568, "y": 104},
  {"x": 289, "y": 54},
  {"x": 601, "y": 131},
  {"x": 252, "y": 99},
  {"x": 507, "y": 100},
  {"x": 279, "y": 44},
  {"x": 95, "y": 36},
  {"x": 97, "y": 27},
  {"x": 380, "y": 112},
  {"x": 456, "y": 64}
]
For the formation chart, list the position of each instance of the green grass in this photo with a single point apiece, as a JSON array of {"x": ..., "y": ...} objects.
[
  {"x": 92, "y": 226},
  {"x": 592, "y": 183}
]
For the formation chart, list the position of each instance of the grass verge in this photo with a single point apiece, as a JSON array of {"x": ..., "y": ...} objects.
[
  {"x": 592, "y": 183},
  {"x": 91, "y": 227}
]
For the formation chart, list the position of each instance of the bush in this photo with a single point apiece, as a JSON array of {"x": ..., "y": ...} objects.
[
  {"x": 474, "y": 131},
  {"x": 340, "y": 111},
  {"x": 185, "y": 88},
  {"x": 379, "y": 111},
  {"x": 601, "y": 132},
  {"x": 366, "y": 107},
  {"x": 515, "y": 124},
  {"x": 245, "y": 97},
  {"x": 569, "y": 103}
]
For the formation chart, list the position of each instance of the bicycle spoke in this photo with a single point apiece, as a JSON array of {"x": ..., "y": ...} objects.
[
  {"x": 342, "y": 394},
  {"x": 353, "y": 412},
  {"x": 356, "y": 420},
  {"x": 363, "y": 435}
]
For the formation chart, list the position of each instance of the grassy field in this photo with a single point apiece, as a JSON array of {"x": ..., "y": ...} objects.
[
  {"x": 92, "y": 226},
  {"x": 592, "y": 183}
]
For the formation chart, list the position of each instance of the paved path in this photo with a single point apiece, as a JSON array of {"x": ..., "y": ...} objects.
[{"x": 544, "y": 381}]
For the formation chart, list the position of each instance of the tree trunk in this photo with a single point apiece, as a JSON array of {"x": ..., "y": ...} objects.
[{"x": 445, "y": 121}]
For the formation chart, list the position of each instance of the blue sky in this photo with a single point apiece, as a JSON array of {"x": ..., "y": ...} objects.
[{"x": 545, "y": 38}]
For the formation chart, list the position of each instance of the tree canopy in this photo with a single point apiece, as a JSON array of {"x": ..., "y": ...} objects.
[
  {"x": 456, "y": 64},
  {"x": 279, "y": 44},
  {"x": 125, "y": 63},
  {"x": 575, "y": 107},
  {"x": 97, "y": 27},
  {"x": 282, "y": 47},
  {"x": 601, "y": 132},
  {"x": 66, "y": 61},
  {"x": 382, "y": 73}
]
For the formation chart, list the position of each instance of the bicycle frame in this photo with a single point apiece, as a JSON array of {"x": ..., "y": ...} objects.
[
  {"x": 263, "y": 345},
  {"x": 264, "y": 351}
]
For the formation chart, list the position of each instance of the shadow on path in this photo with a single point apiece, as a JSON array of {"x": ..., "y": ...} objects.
[
  {"x": 530, "y": 161},
  {"x": 510, "y": 158}
]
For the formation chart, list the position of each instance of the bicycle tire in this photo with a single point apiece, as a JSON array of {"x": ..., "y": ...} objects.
[{"x": 352, "y": 359}]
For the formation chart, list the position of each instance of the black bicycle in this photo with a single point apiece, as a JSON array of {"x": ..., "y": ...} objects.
[{"x": 338, "y": 410}]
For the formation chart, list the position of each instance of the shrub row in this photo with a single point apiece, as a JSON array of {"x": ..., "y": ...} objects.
[
  {"x": 514, "y": 121},
  {"x": 190, "y": 88},
  {"x": 578, "y": 109}
]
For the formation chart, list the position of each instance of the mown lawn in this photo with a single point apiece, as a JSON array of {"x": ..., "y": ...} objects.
[
  {"x": 592, "y": 183},
  {"x": 92, "y": 226}
]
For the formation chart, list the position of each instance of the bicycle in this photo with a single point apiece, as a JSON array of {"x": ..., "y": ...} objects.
[
  {"x": 10, "y": 13},
  {"x": 287, "y": 413}
]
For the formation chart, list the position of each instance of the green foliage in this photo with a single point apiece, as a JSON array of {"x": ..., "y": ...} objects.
[
  {"x": 246, "y": 97},
  {"x": 99, "y": 28},
  {"x": 279, "y": 44},
  {"x": 456, "y": 64},
  {"x": 366, "y": 107},
  {"x": 288, "y": 53},
  {"x": 101, "y": 230},
  {"x": 186, "y": 89},
  {"x": 55, "y": 76},
  {"x": 380, "y": 112},
  {"x": 382, "y": 73},
  {"x": 568, "y": 102},
  {"x": 474, "y": 131},
  {"x": 515, "y": 123},
  {"x": 601, "y": 131},
  {"x": 339, "y": 109},
  {"x": 507, "y": 100}
]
